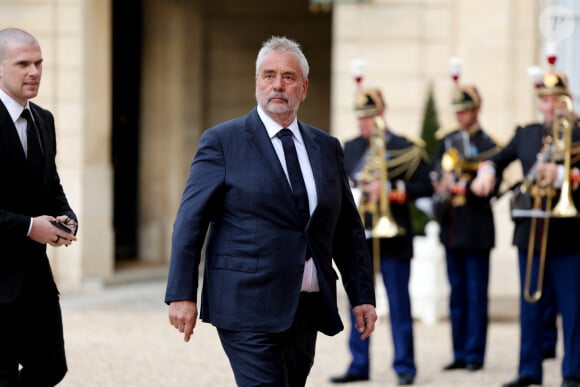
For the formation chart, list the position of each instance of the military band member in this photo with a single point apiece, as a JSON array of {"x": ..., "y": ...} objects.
[
  {"x": 532, "y": 146},
  {"x": 408, "y": 179},
  {"x": 467, "y": 228}
]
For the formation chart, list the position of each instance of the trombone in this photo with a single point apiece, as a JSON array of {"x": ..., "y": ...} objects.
[{"x": 559, "y": 143}]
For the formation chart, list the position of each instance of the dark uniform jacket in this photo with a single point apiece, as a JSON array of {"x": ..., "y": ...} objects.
[
  {"x": 406, "y": 161},
  {"x": 468, "y": 226},
  {"x": 525, "y": 146}
]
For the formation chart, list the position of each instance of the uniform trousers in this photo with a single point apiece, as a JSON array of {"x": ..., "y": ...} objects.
[
  {"x": 396, "y": 274},
  {"x": 561, "y": 273},
  {"x": 468, "y": 274},
  {"x": 275, "y": 359},
  {"x": 550, "y": 317}
]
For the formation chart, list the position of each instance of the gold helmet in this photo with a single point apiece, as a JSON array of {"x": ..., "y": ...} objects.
[
  {"x": 465, "y": 98},
  {"x": 369, "y": 103},
  {"x": 553, "y": 83}
]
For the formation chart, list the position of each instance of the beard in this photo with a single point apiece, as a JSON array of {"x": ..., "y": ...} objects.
[{"x": 265, "y": 101}]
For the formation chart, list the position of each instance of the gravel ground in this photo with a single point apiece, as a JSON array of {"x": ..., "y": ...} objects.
[{"x": 120, "y": 337}]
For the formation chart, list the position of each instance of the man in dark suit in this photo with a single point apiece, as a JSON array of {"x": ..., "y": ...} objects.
[
  {"x": 407, "y": 179},
  {"x": 276, "y": 197},
  {"x": 467, "y": 228},
  {"x": 31, "y": 200},
  {"x": 533, "y": 145}
]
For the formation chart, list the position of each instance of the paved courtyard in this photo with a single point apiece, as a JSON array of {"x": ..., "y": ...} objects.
[{"x": 119, "y": 336}]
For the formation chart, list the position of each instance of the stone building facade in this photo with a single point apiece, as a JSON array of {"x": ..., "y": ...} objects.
[{"x": 134, "y": 83}]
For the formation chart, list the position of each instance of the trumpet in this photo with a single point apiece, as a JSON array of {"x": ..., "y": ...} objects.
[
  {"x": 453, "y": 162},
  {"x": 559, "y": 145},
  {"x": 376, "y": 167},
  {"x": 383, "y": 223},
  {"x": 464, "y": 170}
]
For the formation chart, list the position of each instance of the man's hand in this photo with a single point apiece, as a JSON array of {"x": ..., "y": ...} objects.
[
  {"x": 443, "y": 185},
  {"x": 43, "y": 231},
  {"x": 372, "y": 191},
  {"x": 70, "y": 223},
  {"x": 483, "y": 184},
  {"x": 548, "y": 173},
  {"x": 183, "y": 316},
  {"x": 365, "y": 317}
]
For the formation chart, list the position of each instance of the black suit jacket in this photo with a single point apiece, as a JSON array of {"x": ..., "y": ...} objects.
[
  {"x": 25, "y": 195},
  {"x": 257, "y": 244},
  {"x": 415, "y": 174}
]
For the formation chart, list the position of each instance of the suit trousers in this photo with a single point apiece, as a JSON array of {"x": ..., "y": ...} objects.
[
  {"x": 275, "y": 359},
  {"x": 31, "y": 337},
  {"x": 468, "y": 274},
  {"x": 561, "y": 274},
  {"x": 396, "y": 274}
]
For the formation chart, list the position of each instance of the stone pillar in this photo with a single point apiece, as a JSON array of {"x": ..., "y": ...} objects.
[
  {"x": 75, "y": 38},
  {"x": 171, "y": 117}
]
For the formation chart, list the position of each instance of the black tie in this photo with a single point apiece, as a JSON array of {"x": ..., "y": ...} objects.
[
  {"x": 34, "y": 151},
  {"x": 294, "y": 172}
]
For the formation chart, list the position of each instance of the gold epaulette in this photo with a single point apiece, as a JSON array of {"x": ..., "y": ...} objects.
[{"x": 443, "y": 132}]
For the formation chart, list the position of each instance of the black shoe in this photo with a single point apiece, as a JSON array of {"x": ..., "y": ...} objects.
[
  {"x": 522, "y": 381},
  {"x": 406, "y": 380},
  {"x": 347, "y": 378},
  {"x": 571, "y": 383},
  {"x": 455, "y": 365},
  {"x": 549, "y": 355},
  {"x": 473, "y": 366}
]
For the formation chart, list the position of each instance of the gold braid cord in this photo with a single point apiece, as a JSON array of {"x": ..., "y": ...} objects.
[{"x": 404, "y": 162}]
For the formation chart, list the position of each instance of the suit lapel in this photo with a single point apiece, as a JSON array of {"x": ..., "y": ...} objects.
[
  {"x": 261, "y": 144},
  {"x": 313, "y": 150},
  {"x": 41, "y": 128}
]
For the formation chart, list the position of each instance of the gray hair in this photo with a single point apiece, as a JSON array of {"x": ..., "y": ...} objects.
[
  {"x": 9, "y": 36},
  {"x": 283, "y": 44}
]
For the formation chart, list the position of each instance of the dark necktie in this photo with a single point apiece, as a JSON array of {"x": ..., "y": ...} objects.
[
  {"x": 294, "y": 172},
  {"x": 34, "y": 151}
]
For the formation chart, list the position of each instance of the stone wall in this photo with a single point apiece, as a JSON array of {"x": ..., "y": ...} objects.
[{"x": 74, "y": 37}]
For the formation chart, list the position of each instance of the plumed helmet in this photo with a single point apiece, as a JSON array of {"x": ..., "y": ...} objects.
[
  {"x": 553, "y": 83},
  {"x": 369, "y": 103},
  {"x": 465, "y": 98}
]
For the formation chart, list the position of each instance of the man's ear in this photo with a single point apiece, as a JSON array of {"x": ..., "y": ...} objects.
[{"x": 304, "y": 89}]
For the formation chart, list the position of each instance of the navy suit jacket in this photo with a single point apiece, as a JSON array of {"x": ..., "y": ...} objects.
[
  {"x": 257, "y": 243},
  {"x": 22, "y": 197}
]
